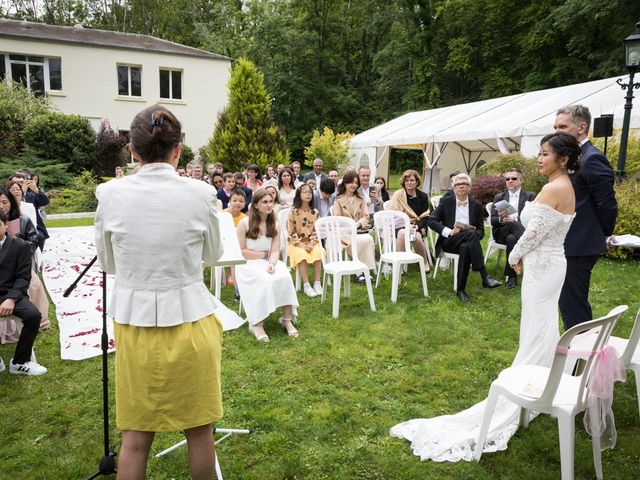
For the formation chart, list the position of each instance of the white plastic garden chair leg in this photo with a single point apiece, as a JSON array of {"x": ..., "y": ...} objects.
[
  {"x": 367, "y": 278},
  {"x": 395, "y": 281},
  {"x": 423, "y": 275},
  {"x": 347, "y": 286},
  {"x": 378, "y": 273},
  {"x": 298, "y": 280},
  {"x": 566, "y": 432},
  {"x": 216, "y": 280},
  {"x": 336, "y": 294},
  {"x": 324, "y": 285},
  {"x": 486, "y": 422},
  {"x": 436, "y": 267},
  {"x": 636, "y": 370}
]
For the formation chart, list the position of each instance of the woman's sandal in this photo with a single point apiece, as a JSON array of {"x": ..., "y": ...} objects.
[
  {"x": 259, "y": 333},
  {"x": 287, "y": 324}
]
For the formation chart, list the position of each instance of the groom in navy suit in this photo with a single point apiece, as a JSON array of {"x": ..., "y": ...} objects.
[{"x": 596, "y": 213}]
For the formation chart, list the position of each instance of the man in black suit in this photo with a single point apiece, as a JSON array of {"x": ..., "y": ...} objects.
[
  {"x": 15, "y": 275},
  {"x": 297, "y": 176},
  {"x": 461, "y": 208},
  {"x": 507, "y": 229},
  {"x": 316, "y": 175},
  {"x": 596, "y": 214}
]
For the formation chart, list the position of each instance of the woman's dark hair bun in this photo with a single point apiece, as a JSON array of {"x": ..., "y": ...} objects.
[
  {"x": 564, "y": 145},
  {"x": 155, "y": 132}
]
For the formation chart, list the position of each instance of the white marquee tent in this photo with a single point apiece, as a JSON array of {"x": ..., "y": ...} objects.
[{"x": 463, "y": 137}]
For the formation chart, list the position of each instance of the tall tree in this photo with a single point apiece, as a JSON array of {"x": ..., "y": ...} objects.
[{"x": 245, "y": 132}]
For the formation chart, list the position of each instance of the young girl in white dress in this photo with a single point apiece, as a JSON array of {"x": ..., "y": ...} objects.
[
  {"x": 540, "y": 254},
  {"x": 264, "y": 281}
]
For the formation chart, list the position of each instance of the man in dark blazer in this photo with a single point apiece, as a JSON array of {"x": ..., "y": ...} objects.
[
  {"x": 507, "y": 229},
  {"x": 15, "y": 275},
  {"x": 460, "y": 207},
  {"x": 596, "y": 214},
  {"x": 316, "y": 174}
]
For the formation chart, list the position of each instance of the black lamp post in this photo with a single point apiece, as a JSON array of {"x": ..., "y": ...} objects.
[{"x": 632, "y": 62}]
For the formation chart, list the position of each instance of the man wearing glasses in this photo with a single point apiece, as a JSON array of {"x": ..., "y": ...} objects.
[
  {"x": 458, "y": 220},
  {"x": 507, "y": 228}
]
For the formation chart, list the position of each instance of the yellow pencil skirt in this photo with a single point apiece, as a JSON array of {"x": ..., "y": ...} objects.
[{"x": 168, "y": 379}]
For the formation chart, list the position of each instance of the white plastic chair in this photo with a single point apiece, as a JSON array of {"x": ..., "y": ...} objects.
[
  {"x": 232, "y": 254},
  {"x": 283, "y": 215},
  {"x": 435, "y": 201},
  {"x": 386, "y": 223},
  {"x": 332, "y": 230},
  {"x": 451, "y": 258},
  {"x": 627, "y": 348},
  {"x": 492, "y": 245},
  {"x": 563, "y": 396}
]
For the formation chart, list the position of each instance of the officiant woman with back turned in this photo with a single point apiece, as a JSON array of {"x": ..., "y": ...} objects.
[{"x": 153, "y": 231}]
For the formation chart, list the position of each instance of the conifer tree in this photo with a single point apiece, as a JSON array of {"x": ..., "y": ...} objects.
[{"x": 245, "y": 131}]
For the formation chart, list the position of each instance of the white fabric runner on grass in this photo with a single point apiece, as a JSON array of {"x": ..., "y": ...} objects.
[{"x": 68, "y": 251}]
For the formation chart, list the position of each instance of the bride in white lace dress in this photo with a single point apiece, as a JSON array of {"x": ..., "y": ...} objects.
[{"x": 540, "y": 253}]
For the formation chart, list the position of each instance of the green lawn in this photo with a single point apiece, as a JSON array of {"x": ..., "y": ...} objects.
[{"x": 320, "y": 406}]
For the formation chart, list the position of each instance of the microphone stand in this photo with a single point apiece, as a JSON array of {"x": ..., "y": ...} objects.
[{"x": 107, "y": 465}]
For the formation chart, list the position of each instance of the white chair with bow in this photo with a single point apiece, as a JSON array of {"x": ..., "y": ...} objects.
[{"x": 549, "y": 390}]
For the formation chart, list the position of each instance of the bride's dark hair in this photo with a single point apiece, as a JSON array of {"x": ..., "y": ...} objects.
[{"x": 564, "y": 145}]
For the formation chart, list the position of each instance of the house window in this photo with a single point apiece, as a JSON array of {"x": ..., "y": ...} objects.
[
  {"x": 129, "y": 81},
  {"x": 37, "y": 74},
  {"x": 171, "y": 84}
]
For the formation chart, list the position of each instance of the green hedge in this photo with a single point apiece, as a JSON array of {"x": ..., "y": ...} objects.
[
  {"x": 80, "y": 198},
  {"x": 63, "y": 138}
]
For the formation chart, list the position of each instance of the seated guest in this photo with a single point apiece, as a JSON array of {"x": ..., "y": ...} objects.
[
  {"x": 324, "y": 199},
  {"x": 316, "y": 175},
  {"x": 217, "y": 181},
  {"x": 415, "y": 203},
  {"x": 349, "y": 203},
  {"x": 334, "y": 176},
  {"x": 181, "y": 171},
  {"x": 458, "y": 220},
  {"x": 36, "y": 196},
  {"x": 370, "y": 195},
  {"x": 381, "y": 183},
  {"x": 277, "y": 204},
  {"x": 237, "y": 203},
  {"x": 119, "y": 173},
  {"x": 240, "y": 179},
  {"x": 303, "y": 247},
  {"x": 228, "y": 185},
  {"x": 312, "y": 183},
  {"x": 298, "y": 178},
  {"x": 264, "y": 281},
  {"x": 286, "y": 187},
  {"x": 15, "y": 275},
  {"x": 27, "y": 209},
  {"x": 507, "y": 229},
  {"x": 197, "y": 172},
  {"x": 253, "y": 181}
]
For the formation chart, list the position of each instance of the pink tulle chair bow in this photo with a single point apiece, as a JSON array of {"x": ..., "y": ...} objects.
[{"x": 599, "y": 421}]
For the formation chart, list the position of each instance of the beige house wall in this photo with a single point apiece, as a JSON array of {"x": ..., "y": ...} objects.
[{"x": 90, "y": 85}]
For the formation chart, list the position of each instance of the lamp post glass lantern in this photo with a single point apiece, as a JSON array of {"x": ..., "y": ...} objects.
[{"x": 632, "y": 62}]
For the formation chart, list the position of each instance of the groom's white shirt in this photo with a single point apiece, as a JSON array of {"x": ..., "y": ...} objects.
[{"x": 153, "y": 231}]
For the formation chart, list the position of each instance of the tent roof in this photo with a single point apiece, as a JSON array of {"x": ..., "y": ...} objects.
[{"x": 478, "y": 124}]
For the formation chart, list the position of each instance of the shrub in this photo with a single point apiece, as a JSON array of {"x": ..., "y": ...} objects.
[
  {"x": 245, "y": 131},
  {"x": 52, "y": 174},
  {"x": 109, "y": 149},
  {"x": 80, "y": 198},
  {"x": 188, "y": 156},
  {"x": 627, "y": 194},
  {"x": 331, "y": 148},
  {"x": 62, "y": 138},
  {"x": 533, "y": 181},
  {"x": 632, "y": 165},
  {"x": 484, "y": 189},
  {"x": 17, "y": 107}
]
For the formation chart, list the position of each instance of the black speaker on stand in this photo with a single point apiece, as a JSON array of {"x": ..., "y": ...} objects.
[{"x": 603, "y": 127}]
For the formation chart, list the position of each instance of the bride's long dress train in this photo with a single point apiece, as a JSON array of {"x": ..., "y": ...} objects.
[{"x": 452, "y": 437}]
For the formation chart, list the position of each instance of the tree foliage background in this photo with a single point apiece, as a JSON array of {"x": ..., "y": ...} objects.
[{"x": 350, "y": 65}]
